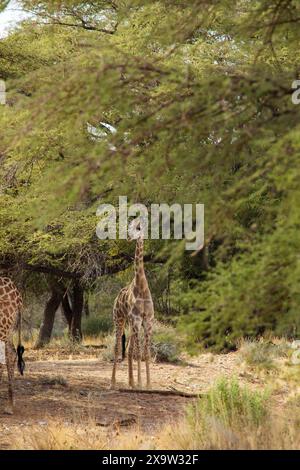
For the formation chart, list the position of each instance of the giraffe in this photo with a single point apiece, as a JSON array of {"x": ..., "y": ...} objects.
[
  {"x": 134, "y": 306},
  {"x": 10, "y": 316}
]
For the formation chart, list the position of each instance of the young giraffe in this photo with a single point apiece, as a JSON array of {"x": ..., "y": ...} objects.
[
  {"x": 10, "y": 316},
  {"x": 134, "y": 305}
]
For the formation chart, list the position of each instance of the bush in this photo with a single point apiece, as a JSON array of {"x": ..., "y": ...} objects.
[
  {"x": 233, "y": 405},
  {"x": 261, "y": 354},
  {"x": 231, "y": 417},
  {"x": 255, "y": 294},
  {"x": 227, "y": 417},
  {"x": 166, "y": 344}
]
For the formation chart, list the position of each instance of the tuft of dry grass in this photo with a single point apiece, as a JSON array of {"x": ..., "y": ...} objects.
[
  {"x": 276, "y": 433},
  {"x": 264, "y": 354},
  {"x": 29, "y": 339},
  {"x": 54, "y": 435},
  {"x": 58, "y": 436},
  {"x": 62, "y": 347},
  {"x": 206, "y": 434}
]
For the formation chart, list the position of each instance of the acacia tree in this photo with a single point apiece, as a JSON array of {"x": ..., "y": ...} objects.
[{"x": 200, "y": 95}]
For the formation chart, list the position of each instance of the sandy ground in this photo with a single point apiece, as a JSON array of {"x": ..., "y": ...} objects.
[{"x": 77, "y": 389}]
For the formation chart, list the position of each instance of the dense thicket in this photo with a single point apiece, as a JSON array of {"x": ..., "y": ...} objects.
[{"x": 200, "y": 94}]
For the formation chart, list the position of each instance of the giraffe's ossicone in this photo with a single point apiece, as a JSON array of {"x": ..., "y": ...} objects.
[{"x": 10, "y": 317}]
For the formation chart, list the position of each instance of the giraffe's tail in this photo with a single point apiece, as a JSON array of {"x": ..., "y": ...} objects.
[
  {"x": 123, "y": 346},
  {"x": 20, "y": 348}
]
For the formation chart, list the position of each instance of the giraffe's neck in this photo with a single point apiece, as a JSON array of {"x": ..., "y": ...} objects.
[{"x": 139, "y": 262}]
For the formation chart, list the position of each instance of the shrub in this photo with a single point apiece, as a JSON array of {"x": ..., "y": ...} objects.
[
  {"x": 227, "y": 417},
  {"x": 257, "y": 292},
  {"x": 231, "y": 418},
  {"x": 261, "y": 354},
  {"x": 166, "y": 344},
  {"x": 232, "y": 405}
]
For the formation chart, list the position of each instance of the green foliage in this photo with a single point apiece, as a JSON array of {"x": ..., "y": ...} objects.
[
  {"x": 232, "y": 405},
  {"x": 96, "y": 326},
  {"x": 3, "y": 4},
  {"x": 248, "y": 297},
  {"x": 200, "y": 94}
]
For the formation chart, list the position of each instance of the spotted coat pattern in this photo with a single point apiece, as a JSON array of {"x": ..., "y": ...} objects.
[
  {"x": 10, "y": 309},
  {"x": 134, "y": 306}
]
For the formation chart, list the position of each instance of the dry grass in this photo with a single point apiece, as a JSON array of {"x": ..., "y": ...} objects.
[
  {"x": 272, "y": 362},
  {"x": 264, "y": 354},
  {"x": 62, "y": 347},
  {"x": 228, "y": 417},
  {"x": 275, "y": 433},
  {"x": 29, "y": 339},
  {"x": 58, "y": 436}
]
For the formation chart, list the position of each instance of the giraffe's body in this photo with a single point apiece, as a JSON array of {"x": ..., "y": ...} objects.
[
  {"x": 10, "y": 316},
  {"x": 134, "y": 306}
]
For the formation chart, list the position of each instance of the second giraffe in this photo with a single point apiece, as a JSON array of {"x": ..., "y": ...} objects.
[{"x": 134, "y": 305}]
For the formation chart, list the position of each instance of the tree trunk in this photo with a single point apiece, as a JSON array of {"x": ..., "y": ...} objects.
[
  {"x": 67, "y": 311},
  {"x": 49, "y": 316},
  {"x": 76, "y": 333},
  {"x": 86, "y": 307}
]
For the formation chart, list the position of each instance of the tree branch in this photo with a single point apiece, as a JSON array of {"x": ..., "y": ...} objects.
[{"x": 177, "y": 393}]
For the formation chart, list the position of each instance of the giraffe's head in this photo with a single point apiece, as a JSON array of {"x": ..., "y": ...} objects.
[{"x": 137, "y": 228}]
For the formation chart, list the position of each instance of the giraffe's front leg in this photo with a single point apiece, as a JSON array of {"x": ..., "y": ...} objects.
[
  {"x": 137, "y": 330},
  {"x": 130, "y": 361},
  {"x": 10, "y": 364}
]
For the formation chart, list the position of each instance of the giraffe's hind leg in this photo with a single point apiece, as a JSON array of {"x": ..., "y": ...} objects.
[
  {"x": 130, "y": 361},
  {"x": 136, "y": 340},
  {"x": 1, "y": 371},
  {"x": 10, "y": 364},
  {"x": 118, "y": 346},
  {"x": 148, "y": 337}
]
